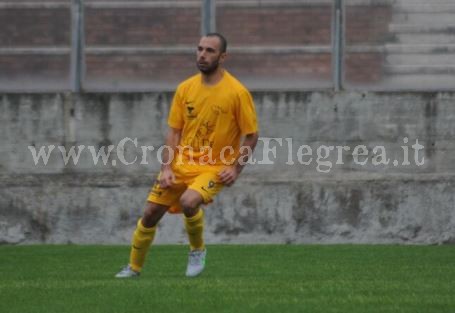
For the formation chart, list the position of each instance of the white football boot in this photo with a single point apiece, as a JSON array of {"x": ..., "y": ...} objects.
[
  {"x": 127, "y": 272},
  {"x": 196, "y": 262}
]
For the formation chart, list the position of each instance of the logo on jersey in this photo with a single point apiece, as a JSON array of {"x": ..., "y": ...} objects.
[
  {"x": 210, "y": 185},
  {"x": 190, "y": 110},
  {"x": 218, "y": 109},
  {"x": 156, "y": 188},
  {"x": 157, "y": 193}
]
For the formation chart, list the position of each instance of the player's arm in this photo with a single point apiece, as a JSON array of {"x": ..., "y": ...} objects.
[
  {"x": 229, "y": 175},
  {"x": 172, "y": 140}
]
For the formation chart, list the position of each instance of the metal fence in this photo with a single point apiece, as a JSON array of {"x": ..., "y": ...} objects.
[{"x": 146, "y": 45}]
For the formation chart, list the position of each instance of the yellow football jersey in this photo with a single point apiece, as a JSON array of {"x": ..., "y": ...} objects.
[{"x": 212, "y": 118}]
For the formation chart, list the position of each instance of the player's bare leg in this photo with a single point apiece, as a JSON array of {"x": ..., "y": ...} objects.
[{"x": 153, "y": 213}]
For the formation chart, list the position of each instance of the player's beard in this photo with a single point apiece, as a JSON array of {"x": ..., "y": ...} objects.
[{"x": 209, "y": 68}]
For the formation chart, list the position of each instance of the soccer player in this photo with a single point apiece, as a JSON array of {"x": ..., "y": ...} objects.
[{"x": 212, "y": 134}]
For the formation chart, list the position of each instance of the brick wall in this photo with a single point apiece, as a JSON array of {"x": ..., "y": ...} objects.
[
  {"x": 150, "y": 26},
  {"x": 367, "y": 24},
  {"x": 34, "y": 27},
  {"x": 15, "y": 67},
  {"x": 140, "y": 67},
  {"x": 167, "y": 27},
  {"x": 275, "y": 25},
  {"x": 282, "y": 65},
  {"x": 172, "y": 68},
  {"x": 363, "y": 67}
]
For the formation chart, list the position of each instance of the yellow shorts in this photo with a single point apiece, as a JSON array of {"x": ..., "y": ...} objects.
[{"x": 202, "y": 179}]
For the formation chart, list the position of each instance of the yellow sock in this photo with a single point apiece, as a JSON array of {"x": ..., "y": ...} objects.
[
  {"x": 140, "y": 244},
  {"x": 195, "y": 228}
]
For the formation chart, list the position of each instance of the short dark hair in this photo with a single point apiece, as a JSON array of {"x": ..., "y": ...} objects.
[{"x": 223, "y": 40}]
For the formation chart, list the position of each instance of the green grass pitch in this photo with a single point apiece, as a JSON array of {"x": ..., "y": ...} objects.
[{"x": 238, "y": 278}]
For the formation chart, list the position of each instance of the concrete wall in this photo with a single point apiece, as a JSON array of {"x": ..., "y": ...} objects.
[{"x": 322, "y": 202}]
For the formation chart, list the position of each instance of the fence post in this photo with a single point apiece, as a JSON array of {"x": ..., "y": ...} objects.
[
  {"x": 337, "y": 45},
  {"x": 208, "y": 20},
  {"x": 77, "y": 45}
]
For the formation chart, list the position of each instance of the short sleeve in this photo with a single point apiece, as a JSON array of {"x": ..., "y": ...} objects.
[
  {"x": 246, "y": 114},
  {"x": 175, "y": 119}
]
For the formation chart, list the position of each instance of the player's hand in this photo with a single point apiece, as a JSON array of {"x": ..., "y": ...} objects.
[
  {"x": 228, "y": 175},
  {"x": 167, "y": 178}
]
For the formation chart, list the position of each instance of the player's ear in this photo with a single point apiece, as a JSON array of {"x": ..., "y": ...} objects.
[{"x": 223, "y": 56}]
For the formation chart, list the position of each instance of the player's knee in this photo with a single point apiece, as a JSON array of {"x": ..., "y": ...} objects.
[
  {"x": 152, "y": 214},
  {"x": 188, "y": 202}
]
